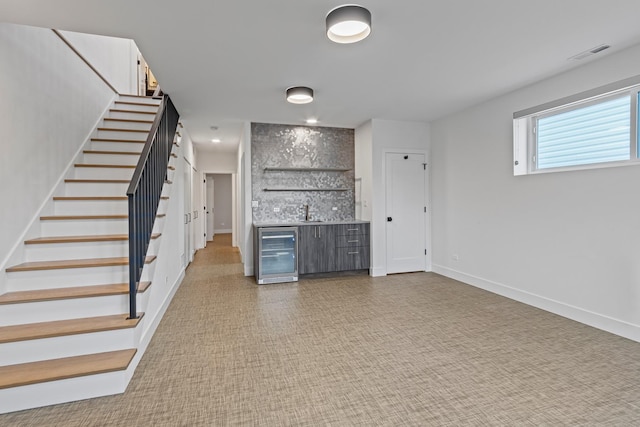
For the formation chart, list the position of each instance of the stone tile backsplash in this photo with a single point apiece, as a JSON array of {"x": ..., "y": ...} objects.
[{"x": 304, "y": 147}]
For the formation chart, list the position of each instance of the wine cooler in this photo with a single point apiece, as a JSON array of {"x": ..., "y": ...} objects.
[{"x": 276, "y": 255}]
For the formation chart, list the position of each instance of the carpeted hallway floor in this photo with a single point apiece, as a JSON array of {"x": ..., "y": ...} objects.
[{"x": 403, "y": 350}]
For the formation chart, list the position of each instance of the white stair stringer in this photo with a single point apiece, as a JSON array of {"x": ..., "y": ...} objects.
[{"x": 94, "y": 181}]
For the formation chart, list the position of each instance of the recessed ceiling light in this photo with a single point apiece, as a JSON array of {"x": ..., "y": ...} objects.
[
  {"x": 312, "y": 121},
  {"x": 216, "y": 140},
  {"x": 349, "y": 23},
  {"x": 299, "y": 95}
]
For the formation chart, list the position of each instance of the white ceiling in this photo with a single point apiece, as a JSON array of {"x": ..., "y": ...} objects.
[{"x": 228, "y": 61}]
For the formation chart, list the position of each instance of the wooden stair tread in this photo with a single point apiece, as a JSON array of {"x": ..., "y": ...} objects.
[
  {"x": 90, "y": 198},
  {"x": 146, "y": 104},
  {"x": 39, "y": 295},
  {"x": 74, "y": 263},
  {"x": 111, "y": 119},
  {"x": 61, "y": 328},
  {"x": 68, "y": 367},
  {"x": 77, "y": 217},
  {"x": 97, "y": 181},
  {"x": 120, "y": 110},
  {"x": 80, "y": 217},
  {"x": 119, "y": 153},
  {"x": 123, "y": 130},
  {"x": 96, "y": 198},
  {"x": 129, "y": 141},
  {"x": 82, "y": 239},
  {"x": 99, "y": 165}
]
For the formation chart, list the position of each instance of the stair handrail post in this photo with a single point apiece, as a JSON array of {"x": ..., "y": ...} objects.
[{"x": 145, "y": 191}]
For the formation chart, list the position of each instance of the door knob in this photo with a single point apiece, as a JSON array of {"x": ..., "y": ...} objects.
[{"x": 389, "y": 219}]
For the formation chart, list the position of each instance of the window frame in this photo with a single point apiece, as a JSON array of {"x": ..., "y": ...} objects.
[{"x": 525, "y": 123}]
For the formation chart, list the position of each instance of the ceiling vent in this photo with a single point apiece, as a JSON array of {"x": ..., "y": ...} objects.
[{"x": 589, "y": 52}]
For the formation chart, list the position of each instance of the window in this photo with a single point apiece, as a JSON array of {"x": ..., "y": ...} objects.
[{"x": 593, "y": 129}]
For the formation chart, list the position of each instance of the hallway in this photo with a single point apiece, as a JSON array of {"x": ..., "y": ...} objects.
[{"x": 412, "y": 349}]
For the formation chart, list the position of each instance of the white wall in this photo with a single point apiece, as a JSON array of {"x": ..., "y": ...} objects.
[
  {"x": 389, "y": 135},
  {"x": 222, "y": 195},
  {"x": 50, "y": 103},
  {"x": 246, "y": 241},
  {"x": 567, "y": 242},
  {"x": 115, "y": 58},
  {"x": 363, "y": 164},
  {"x": 212, "y": 162}
]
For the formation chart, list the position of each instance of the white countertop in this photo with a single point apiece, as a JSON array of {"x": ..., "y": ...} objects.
[{"x": 302, "y": 223}]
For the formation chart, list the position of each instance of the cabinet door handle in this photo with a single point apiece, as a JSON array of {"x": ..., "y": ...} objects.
[
  {"x": 352, "y": 241},
  {"x": 315, "y": 232},
  {"x": 352, "y": 229},
  {"x": 352, "y": 253},
  {"x": 318, "y": 230}
]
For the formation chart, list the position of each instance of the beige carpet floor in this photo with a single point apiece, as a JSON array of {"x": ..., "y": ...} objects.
[{"x": 403, "y": 350}]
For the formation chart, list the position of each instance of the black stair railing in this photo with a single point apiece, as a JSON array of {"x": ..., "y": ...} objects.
[{"x": 145, "y": 191}]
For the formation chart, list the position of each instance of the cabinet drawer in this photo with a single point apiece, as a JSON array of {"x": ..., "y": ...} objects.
[
  {"x": 352, "y": 258},
  {"x": 347, "y": 229},
  {"x": 352, "y": 240}
]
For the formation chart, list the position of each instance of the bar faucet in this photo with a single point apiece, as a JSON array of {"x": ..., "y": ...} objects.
[{"x": 306, "y": 212}]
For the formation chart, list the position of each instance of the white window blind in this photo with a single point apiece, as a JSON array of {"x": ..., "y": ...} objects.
[{"x": 596, "y": 133}]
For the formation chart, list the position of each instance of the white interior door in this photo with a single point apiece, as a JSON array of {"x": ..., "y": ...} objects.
[
  {"x": 187, "y": 213},
  {"x": 195, "y": 219},
  {"x": 406, "y": 212},
  {"x": 210, "y": 208},
  {"x": 203, "y": 207}
]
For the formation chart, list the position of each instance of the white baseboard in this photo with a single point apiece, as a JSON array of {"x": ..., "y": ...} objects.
[
  {"x": 221, "y": 231},
  {"x": 378, "y": 271},
  {"x": 596, "y": 320}
]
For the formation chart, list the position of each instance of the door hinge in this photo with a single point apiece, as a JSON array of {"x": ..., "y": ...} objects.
[
  {"x": 424, "y": 166},
  {"x": 425, "y": 251},
  {"x": 425, "y": 209}
]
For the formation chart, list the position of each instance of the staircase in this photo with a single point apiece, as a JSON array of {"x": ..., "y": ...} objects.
[{"x": 64, "y": 329}]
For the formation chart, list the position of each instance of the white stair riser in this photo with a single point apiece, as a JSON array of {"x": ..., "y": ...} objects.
[
  {"x": 90, "y": 207},
  {"x": 103, "y": 173},
  {"x": 130, "y": 115},
  {"x": 141, "y": 99},
  {"x": 65, "y": 278},
  {"x": 61, "y": 251},
  {"x": 108, "y": 133},
  {"x": 95, "y": 189},
  {"x": 117, "y": 146},
  {"x": 111, "y": 159},
  {"x": 66, "y": 346},
  {"x": 123, "y": 124},
  {"x": 136, "y": 107},
  {"x": 84, "y": 227},
  {"x": 97, "y": 207},
  {"x": 90, "y": 226},
  {"x": 50, "y": 393},
  {"x": 74, "y": 308}
]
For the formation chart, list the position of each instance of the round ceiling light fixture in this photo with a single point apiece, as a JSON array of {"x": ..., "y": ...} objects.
[
  {"x": 349, "y": 23},
  {"x": 299, "y": 95}
]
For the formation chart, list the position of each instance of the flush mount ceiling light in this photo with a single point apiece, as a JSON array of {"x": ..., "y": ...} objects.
[
  {"x": 349, "y": 23},
  {"x": 216, "y": 140},
  {"x": 299, "y": 95}
]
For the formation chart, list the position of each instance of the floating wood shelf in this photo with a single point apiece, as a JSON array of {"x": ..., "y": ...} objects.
[
  {"x": 306, "y": 169},
  {"x": 305, "y": 189}
]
